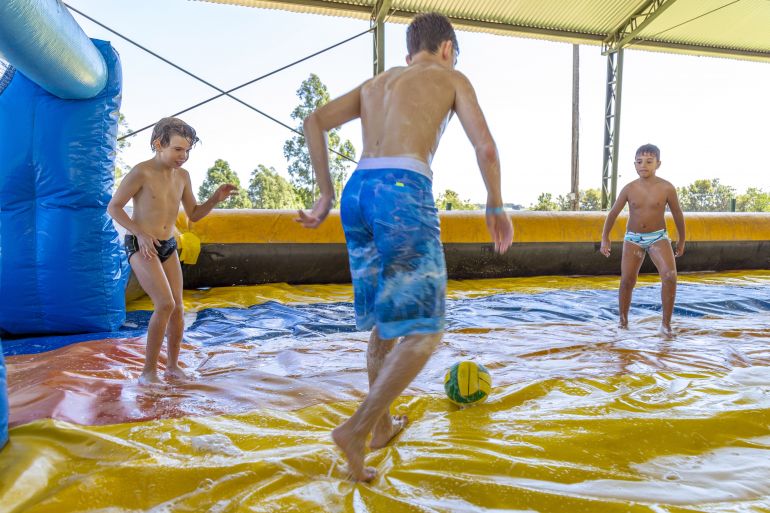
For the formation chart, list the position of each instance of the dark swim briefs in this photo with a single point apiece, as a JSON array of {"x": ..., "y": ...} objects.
[{"x": 165, "y": 249}]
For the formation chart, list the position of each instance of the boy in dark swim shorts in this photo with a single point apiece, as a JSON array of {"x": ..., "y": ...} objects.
[
  {"x": 157, "y": 186},
  {"x": 647, "y": 197},
  {"x": 390, "y": 219}
]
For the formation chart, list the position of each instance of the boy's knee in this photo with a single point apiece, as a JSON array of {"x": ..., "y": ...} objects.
[
  {"x": 628, "y": 283},
  {"x": 427, "y": 344},
  {"x": 165, "y": 306},
  {"x": 668, "y": 277}
]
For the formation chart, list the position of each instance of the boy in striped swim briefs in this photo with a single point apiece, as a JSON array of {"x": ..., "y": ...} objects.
[
  {"x": 390, "y": 220},
  {"x": 647, "y": 198}
]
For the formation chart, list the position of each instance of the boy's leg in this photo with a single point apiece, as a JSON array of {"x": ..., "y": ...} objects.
[
  {"x": 154, "y": 282},
  {"x": 630, "y": 263},
  {"x": 663, "y": 257},
  {"x": 175, "y": 329},
  {"x": 387, "y": 426},
  {"x": 401, "y": 366}
]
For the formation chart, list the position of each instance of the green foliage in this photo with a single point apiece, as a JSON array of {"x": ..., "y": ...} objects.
[
  {"x": 545, "y": 202},
  {"x": 706, "y": 196},
  {"x": 268, "y": 189},
  {"x": 220, "y": 174},
  {"x": 121, "y": 168},
  {"x": 754, "y": 200},
  {"x": 450, "y": 200},
  {"x": 590, "y": 200},
  {"x": 313, "y": 94}
]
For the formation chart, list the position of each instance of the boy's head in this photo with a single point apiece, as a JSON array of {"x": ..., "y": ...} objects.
[
  {"x": 647, "y": 160},
  {"x": 650, "y": 149},
  {"x": 167, "y": 128},
  {"x": 428, "y": 32}
]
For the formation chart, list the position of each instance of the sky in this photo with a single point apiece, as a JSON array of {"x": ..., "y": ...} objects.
[{"x": 707, "y": 115}]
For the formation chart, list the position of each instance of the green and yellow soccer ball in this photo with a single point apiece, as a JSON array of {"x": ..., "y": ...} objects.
[{"x": 467, "y": 383}]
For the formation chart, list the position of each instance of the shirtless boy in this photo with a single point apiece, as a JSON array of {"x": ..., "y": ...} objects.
[
  {"x": 157, "y": 186},
  {"x": 647, "y": 197},
  {"x": 390, "y": 220}
]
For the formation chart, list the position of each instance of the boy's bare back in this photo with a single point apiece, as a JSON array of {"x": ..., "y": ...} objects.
[{"x": 404, "y": 111}]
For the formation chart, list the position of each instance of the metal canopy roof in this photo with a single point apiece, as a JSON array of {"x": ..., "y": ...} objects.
[{"x": 725, "y": 28}]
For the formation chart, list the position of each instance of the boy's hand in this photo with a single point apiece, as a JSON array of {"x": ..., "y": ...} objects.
[
  {"x": 605, "y": 248},
  {"x": 147, "y": 246},
  {"x": 317, "y": 215},
  {"x": 679, "y": 248},
  {"x": 224, "y": 192},
  {"x": 500, "y": 228}
]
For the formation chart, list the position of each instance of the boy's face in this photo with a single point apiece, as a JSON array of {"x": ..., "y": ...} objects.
[
  {"x": 646, "y": 165},
  {"x": 176, "y": 153}
]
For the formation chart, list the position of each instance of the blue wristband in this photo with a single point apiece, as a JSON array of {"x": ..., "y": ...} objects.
[{"x": 496, "y": 210}]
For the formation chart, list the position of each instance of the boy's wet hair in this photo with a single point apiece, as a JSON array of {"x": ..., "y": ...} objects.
[
  {"x": 427, "y": 31},
  {"x": 168, "y": 127},
  {"x": 648, "y": 148}
]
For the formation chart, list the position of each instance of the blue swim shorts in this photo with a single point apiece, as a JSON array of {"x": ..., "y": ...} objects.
[
  {"x": 396, "y": 259},
  {"x": 645, "y": 240}
]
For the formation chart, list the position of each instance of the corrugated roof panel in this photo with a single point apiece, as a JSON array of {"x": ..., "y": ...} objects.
[
  {"x": 743, "y": 25},
  {"x": 347, "y": 9},
  {"x": 737, "y": 29},
  {"x": 582, "y": 16}
]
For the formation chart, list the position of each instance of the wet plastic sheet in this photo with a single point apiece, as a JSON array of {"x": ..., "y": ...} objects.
[{"x": 584, "y": 417}]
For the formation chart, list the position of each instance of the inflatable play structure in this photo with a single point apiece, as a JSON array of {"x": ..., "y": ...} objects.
[
  {"x": 62, "y": 269},
  {"x": 245, "y": 247},
  {"x": 582, "y": 416}
]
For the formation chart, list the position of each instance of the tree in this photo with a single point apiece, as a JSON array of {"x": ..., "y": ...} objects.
[
  {"x": 450, "y": 200},
  {"x": 591, "y": 200},
  {"x": 221, "y": 174},
  {"x": 121, "y": 168},
  {"x": 268, "y": 189},
  {"x": 706, "y": 196},
  {"x": 313, "y": 94},
  {"x": 545, "y": 202},
  {"x": 754, "y": 200}
]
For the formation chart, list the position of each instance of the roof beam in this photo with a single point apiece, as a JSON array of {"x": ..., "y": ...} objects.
[
  {"x": 381, "y": 8},
  {"x": 634, "y": 24}
]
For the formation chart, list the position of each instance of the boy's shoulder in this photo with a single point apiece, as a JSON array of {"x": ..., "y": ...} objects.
[{"x": 142, "y": 168}]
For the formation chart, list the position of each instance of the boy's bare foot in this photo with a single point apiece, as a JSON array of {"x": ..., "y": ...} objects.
[
  {"x": 667, "y": 332},
  {"x": 176, "y": 373},
  {"x": 384, "y": 432},
  {"x": 623, "y": 325},
  {"x": 353, "y": 447},
  {"x": 149, "y": 378}
]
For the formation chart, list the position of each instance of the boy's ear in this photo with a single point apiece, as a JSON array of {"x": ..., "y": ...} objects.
[
  {"x": 446, "y": 49},
  {"x": 408, "y": 59}
]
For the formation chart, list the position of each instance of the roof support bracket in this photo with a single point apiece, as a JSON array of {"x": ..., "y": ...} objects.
[
  {"x": 634, "y": 24},
  {"x": 381, "y": 8}
]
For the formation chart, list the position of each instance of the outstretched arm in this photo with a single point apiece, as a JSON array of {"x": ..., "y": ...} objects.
[
  {"x": 196, "y": 212},
  {"x": 475, "y": 125},
  {"x": 610, "y": 221},
  {"x": 676, "y": 212},
  {"x": 315, "y": 130}
]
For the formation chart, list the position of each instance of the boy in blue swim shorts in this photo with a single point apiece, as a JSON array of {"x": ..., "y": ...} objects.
[
  {"x": 390, "y": 220},
  {"x": 647, "y": 197}
]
